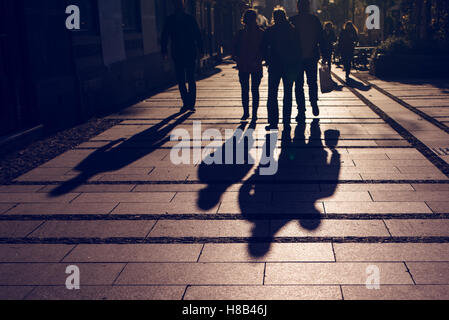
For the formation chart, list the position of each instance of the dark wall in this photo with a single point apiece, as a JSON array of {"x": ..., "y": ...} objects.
[
  {"x": 17, "y": 109},
  {"x": 59, "y": 78}
]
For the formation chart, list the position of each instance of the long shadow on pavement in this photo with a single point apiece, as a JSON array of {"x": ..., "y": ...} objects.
[
  {"x": 297, "y": 161},
  {"x": 120, "y": 153}
]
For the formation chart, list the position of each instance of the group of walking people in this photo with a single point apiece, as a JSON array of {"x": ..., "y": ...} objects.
[{"x": 291, "y": 49}]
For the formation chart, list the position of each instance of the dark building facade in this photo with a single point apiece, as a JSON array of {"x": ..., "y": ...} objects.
[{"x": 56, "y": 77}]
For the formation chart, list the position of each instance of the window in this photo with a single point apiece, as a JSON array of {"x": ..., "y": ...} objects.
[{"x": 131, "y": 15}]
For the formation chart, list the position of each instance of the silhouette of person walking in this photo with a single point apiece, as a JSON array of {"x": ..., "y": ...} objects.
[
  {"x": 185, "y": 36},
  {"x": 329, "y": 40},
  {"x": 247, "y": 52},
  {"x": 282, "y": 54},
  {"x": 312, "y": 41},
  {"x": 346, "y": 43}
]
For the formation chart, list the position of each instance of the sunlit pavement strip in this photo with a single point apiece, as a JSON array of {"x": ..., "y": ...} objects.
[{"x": 139, "y": 227}]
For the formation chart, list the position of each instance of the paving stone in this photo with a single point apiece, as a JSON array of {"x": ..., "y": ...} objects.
[
  {"x": 163, "y": 208},
  {"x": 410, "y": 195},
  {"x": 14, "y": 292},
  {"x": 339, "y": 273},
  {"x": 207, "y": 228},
  {"x": 239, "y": 252},
  {"x": 192, "y": 273},
  {"x": 35, "y": 197},
  {"x": 405, "y": 156},
  {"x": 95, "y": 188},
  {"x": 367, "y": 187},
  {"x": 12, "y": 274},
  {"x": 406, "y": 170},
  {"x": 418, "y": 228},
  {"x": 439, "y": 207},
  {"x": 135, "y": 253},
  {"x": 429, "y": 272},
  {"x": 307, "y": 196},
  {"x": 329, "y": 228},
  {"x": 17, "y": 229},
  {"x": 274, "y": 208},
  {"x": 391, "y": 251},
  {"x": 20, "y": 189},
  {"x": 147, "y": 197},
  {"x": 263, "y": 293},
  {"x": 62, "y": 208},
  {"x": 33, "y": 252},
  {"x": 403, "y": 176},
  {"x": 108, "y": 293},
  {"x": 376, "y": 207},
  {"x": 431, "y": 187},
  {"x": 397, "y": 292},
  {"x": 93, "y": 229},
  {"x": 185, "y": 197}
]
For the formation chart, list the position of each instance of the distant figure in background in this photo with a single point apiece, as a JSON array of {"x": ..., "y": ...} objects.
[
  {"x": 185, "y": 36},
  {"x": 282, "y": 52},
  {"x": 247, "y": 52},
  {"x": 346, "y": 45},
  {"x": 329, "y": 40},
  {"x": 311, "y": 39}
]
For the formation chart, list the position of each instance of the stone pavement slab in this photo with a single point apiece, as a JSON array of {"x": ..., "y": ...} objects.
[
  {"x": 62, "y": 209},
  {"x": 263, "y": 293},
  {"x": 93, "y": 229},
  {"x": 391, "y": 251},
  {"x": 439, "y": 207},
  {"x": 376, "y": 207},
  {"x": 11, "y": 229},
  {"x": 397, "y": 292},
  {"x": 19, "y": 274},
  {"x": 135, "y": 253},
  {"x": 286, "y": 252},
  {"x": 418, "y": 228},
  {"x": 108, "y": 293},
  {"x": 192, "y": 273},
  {"x": 429, "y": 272},
  {"x": 33, "y": 252},
  {"x": 334, "y": 273}
]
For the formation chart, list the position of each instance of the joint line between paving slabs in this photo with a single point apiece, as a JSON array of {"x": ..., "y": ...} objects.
[
  {"x": 29, "y": 293},
  {"x": 185, "y": 291},
  {"x": 264, "y": 273},
  {"x": 333, "y": 251},
  {"x": 68, "y": 253},
  {"x": 385, "y": 224},
  {"x": 119, "y": 274},
  {"x": 35, "y": 229},
  {"x": 201, "y": 252},
  {"x": 151, "y": 229},
  {"x": 408, "y": 271},
  {"x": 341, "y": 292}
]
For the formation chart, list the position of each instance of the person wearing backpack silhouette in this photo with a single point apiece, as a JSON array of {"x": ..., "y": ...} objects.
[{"x": 186, "y": 41}]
